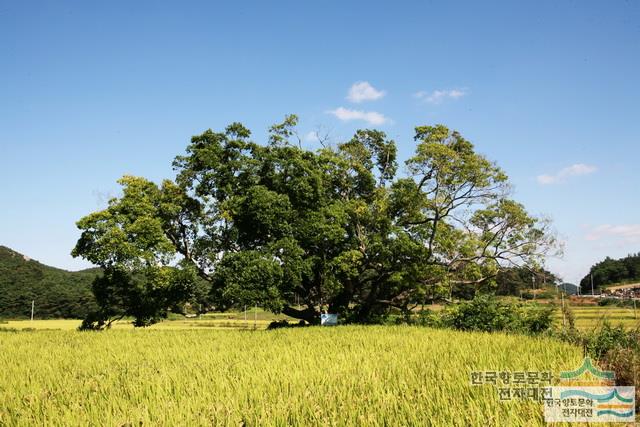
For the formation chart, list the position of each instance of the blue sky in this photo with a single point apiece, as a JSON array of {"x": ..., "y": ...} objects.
[{"x": 90, "y": 91}]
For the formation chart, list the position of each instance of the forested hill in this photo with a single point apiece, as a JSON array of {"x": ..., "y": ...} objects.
[
  {"x": 57, "y": 293},
  {"x": 610, "y": 271}
]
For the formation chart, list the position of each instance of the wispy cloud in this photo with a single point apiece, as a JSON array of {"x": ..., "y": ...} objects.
[
  {"x": 102, "y": 197},
  {"x": 311, "y": 137},
  {"x": 371, "y": 117},
  {"x": 628, "y": 233},
  {"x": 363, "y": 91},
  {"x": 439, "y": 96},
  {"x": 565, "y": 173}
]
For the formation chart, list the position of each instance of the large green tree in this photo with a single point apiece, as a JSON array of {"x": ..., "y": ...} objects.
[{"x": 337, "y": 229}]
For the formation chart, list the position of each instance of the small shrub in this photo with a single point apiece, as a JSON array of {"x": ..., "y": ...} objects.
[
  {"x": 526, "y": 295},
  {"x": 536, "y": 320},
  {"x": 615, "y": 348},
  {"x": 568, "y": 317},
  {"x": 278, "y": 324},
  {"x": 618, "y": 350},
  {"x": 625, "y": 362},
  {"x": 607, "y": 301},
  {"x": 600, "y": 341},
  {"x": 486, "y": 313},
  {"x": 626, "y": 303},
  {"x": 428, "y": 318},
  {"x": 546, "y": 294}
]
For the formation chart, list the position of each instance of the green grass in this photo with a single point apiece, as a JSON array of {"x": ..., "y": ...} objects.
[{"x": 310, "y": 376}]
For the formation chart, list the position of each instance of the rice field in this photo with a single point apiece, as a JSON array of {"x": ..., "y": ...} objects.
[
  {"x": 591, "y": 316},
  {"x": 587, "y": 317},
  {"x": 348, "y": 375},
  {"x": 258, "y": 319}
]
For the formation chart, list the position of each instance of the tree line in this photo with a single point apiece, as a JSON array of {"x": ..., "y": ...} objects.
[{"x": 610, "y": 271}]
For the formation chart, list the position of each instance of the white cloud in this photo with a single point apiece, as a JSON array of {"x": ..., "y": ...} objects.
[
  {"x": 628, "y": 233},
  {"x": 438, "y": 96},
  {"x": 363, "y": 91},
  {"x": 311, "y": 137},
  {"x": 573, "y": 170},
  {"x": 370, "y": 117}
]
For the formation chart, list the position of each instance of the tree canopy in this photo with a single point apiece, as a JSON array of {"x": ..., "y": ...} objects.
[
  {"x": 516, "y": 280},
  {"x": 342, "y": 229}
]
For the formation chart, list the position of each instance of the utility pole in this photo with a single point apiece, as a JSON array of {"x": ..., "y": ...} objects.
[
  {"x": 33, "y": 306},
  {"x": 533, "y": 285},
  {"x": 592, "y": 293},
  {"x": 564, "y": 320}
]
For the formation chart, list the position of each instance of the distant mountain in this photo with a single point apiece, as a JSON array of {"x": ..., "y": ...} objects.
[
  {"x": 57, "y": 293},
  {"x": 569, "y": 288}
]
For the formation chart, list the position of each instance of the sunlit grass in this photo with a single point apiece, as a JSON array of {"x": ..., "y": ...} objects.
[
  {"x": 310, "y": 376},
  {"x": 587, "y": 317},
  {"x": 254, "y": 319}
]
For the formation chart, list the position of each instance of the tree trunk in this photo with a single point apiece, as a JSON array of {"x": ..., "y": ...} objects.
[
  {"x": 340, "y": 303},
  {"x": 309, "y": 315}
]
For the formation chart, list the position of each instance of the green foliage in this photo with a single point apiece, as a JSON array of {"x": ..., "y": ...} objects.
[
  {"x": 335, "y": 228},
  {"x": 429, "y": 319},
  {"x": 614, "y": 347},
  {"x": 147, "y": 295},
  {"x": 251, "y": 278},
  {"x": 527, "y": 295},
  {"x": 483, "y": 313},
  {"x": 568, "y": 317},
  {"x": 57, "y": 293},
  {"x": 625, "y": 362},
  {"x": 610, "y": 271},
  {"x": 517, "y": 280},
  {"x": 617, "y": 302},
  {"x": 487, "y": 313},
  {"x": 536, "y": 319},
  {"x": 132, "y": 241},
  {"x": 607, "y": 337}
]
